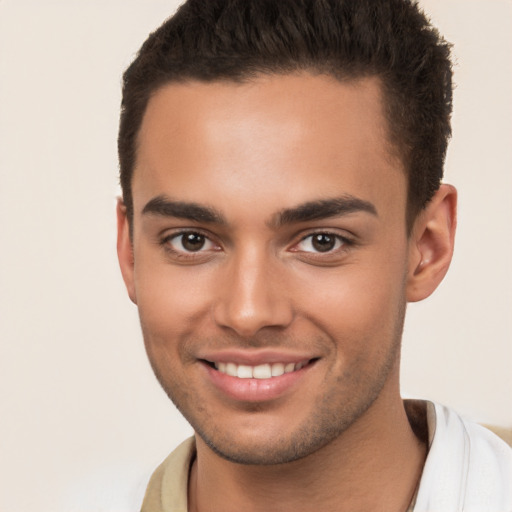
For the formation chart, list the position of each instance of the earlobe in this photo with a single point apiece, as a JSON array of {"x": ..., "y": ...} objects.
[
  {"x": 431, "y": 244},
  {"x": 125, "y": 250}
]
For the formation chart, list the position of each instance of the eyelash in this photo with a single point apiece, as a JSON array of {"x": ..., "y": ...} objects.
[
  {"x": 342, "y": 244},
  {"x": 166, "y": 243}
]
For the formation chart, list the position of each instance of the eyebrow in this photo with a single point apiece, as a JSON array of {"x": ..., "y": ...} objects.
[
  {"x": 166, "y": 207},
  {"x": 310, "y": 211},
  {"x": 323, "y": 209}
]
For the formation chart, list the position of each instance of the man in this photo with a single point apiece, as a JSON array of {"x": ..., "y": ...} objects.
[{"x": 281, "y": 166}]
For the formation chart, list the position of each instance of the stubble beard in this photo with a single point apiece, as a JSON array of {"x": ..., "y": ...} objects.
[{"x": 336, "y": 412}]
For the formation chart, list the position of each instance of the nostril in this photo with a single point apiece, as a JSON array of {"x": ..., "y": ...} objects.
[{"x": 247, "y": 319}]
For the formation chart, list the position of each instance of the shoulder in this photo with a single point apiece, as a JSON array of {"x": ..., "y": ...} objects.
[
  {"x": 489, "y": 469},
  {"x": 467, "y": 468},
  {"x": 167, "y": 487}
]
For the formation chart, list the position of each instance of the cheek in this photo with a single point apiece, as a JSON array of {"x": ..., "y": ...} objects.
[
  {"x": 360, "y": 306},
  {"x": 168, "y": 309},
  {"x": 172, "y": 301}
]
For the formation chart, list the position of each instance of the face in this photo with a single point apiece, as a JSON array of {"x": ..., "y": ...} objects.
[{"x": 269, "y": 259}]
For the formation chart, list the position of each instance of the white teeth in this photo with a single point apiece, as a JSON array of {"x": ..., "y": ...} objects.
[
  {"x": 231, "y": 369},
  {"x": 262, "y": 371},
  {"x": 244, "y": 372},
  {"x": 277, "y": 369},
  {"x": 290, "y": 367}
]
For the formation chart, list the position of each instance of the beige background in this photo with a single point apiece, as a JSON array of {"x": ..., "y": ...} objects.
[{"x": 82, "y": 419}]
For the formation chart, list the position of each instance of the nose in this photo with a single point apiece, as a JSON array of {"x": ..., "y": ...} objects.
[{"x": 253, "y": 296}]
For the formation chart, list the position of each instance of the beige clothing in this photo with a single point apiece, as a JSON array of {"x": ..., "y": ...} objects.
[
  {"x": 468, "y": 469},
  {"x": 168, "y": 486}
]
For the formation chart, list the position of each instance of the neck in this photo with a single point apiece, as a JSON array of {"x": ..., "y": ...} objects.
[{"x": 374, "y": 465}]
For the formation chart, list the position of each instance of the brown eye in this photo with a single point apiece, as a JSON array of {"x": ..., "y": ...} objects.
[
  {"x": 189, "y": 242},
  {"x": 192, "y": 241},
  {"x": 323, "y": 242}
]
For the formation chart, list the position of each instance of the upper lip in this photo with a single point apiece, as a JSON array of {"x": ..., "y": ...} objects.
[{"x": 255, "y": 357}]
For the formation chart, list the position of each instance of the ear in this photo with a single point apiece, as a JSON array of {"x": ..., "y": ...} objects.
[
  {"x": 431, "y": 244},
  {"x": 125, "y": 249}
]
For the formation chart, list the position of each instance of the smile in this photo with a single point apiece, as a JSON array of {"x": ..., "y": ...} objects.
[
  {"x": 261, "y": 371},
  {"x": 267, "y": 377}
]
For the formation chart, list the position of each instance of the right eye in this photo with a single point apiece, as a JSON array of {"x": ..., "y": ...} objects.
[
  {"x": 321, "y": 243},
  {"x": 187, "y": 242}
]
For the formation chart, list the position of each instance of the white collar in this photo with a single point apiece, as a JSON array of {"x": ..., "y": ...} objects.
[{"x": 468, "y": 468}]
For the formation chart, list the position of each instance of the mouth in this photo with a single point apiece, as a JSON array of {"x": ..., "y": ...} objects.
[
  {"x": 258, "y": 376},
  {"x": 261, "y": 371}
]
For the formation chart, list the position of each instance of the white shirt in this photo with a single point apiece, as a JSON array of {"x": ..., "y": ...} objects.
[{"x": 468, "y": 468}]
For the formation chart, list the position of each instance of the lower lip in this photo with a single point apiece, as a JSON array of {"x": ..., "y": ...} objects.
[{"x": 256, "y": 390}]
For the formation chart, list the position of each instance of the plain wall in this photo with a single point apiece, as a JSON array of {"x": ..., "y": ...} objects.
[{"x": 83, "y": 421}]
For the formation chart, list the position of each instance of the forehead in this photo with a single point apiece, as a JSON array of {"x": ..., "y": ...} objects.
[{"x": 279, "y": 140}]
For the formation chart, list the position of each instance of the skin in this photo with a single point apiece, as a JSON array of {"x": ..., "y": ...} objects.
[{"x": 247, "y": 153}]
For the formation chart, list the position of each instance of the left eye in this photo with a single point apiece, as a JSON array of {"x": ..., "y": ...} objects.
[
  {"x": 320, "y": 242},
  {"x": 190, "y": 242}
]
